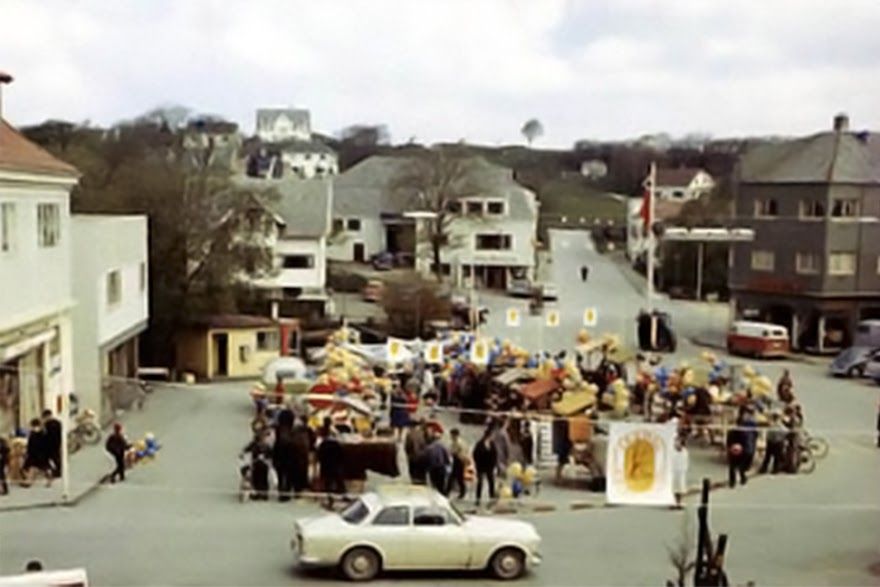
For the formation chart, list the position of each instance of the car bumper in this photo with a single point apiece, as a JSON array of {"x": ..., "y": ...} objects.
[
  {"x": 305, "y": 560},
  {"x": 534, "y": 560}
]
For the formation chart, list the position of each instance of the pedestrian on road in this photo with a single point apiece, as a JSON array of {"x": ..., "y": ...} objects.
[
  {"x": 330, "y": 460},
  {"x": 785, "y": 388},
  {"x": 37, "y": 453},
  {"x": 501, "y": 438},
  {"x": 485, "y": 461},
  {"x": 585, "y": 272},
  {"x": 4, "y": 461},
  {"x": 116, "y": 445},
  {"x": 414, "y": 447},
  {"x": 459, "y": 451},
  {"x": 737, "y": 457},
  {"x": 303, "y": 443},
  {"x": 260, "y": 451},
  {"x": 399, "y": 414},
  {"x": 775, "y": 450},
  {"x": 680, "y": 464},
  {"x": 52, "y": 426},
  {"x": 282, "y": 454},
  {"x": 439, "y": 461}
]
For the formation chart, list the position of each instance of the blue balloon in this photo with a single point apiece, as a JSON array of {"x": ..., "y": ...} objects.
[{"x": 516, "y": 488}]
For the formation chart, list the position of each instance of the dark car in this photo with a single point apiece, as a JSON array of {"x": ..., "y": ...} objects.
[{"x": 382, "y": 261}]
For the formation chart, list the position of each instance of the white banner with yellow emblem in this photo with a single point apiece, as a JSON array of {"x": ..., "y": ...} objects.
[
  {"x": 480, "y": 352},
  {"x": 395, "y": 351},
  {"x": 639, "y": 464},
  {"x": 434, "y": 353}
]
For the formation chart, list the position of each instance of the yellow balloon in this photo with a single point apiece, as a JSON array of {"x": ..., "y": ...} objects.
[
  {"x": 514, "y": 470},
  {"x": 506, "y": 492},
  {"x": 529, "y": 476}
]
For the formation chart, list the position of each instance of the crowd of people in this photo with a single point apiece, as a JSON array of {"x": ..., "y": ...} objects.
[{"x": 41, "y": 455}]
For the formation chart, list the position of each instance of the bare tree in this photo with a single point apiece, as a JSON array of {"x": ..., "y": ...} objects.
[
  {"x": 435, "y": 181},
  {"x": 532, "y": 129}
]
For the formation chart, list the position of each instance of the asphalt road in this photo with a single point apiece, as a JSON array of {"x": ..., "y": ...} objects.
[{"x": 178, "y": 521}]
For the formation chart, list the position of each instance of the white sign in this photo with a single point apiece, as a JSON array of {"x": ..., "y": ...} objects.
[
  {"x": 639, "y": 463},
  {"x": 553, "y": 318},
  {"x": 513, "y": 317},
  {"x": 395, "y": 351},
  {"x": 434, "y": 353},
  {"x": 480, "y": 352},
  {"x": 591, "y": 316}
]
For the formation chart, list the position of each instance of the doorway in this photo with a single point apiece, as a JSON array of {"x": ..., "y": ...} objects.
[
  {"x": 359, "y": 252},
  {"x": 221, "y": 353}
]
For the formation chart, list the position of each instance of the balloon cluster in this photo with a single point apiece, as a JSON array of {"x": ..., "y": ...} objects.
[{"x": 521, "y": 480}]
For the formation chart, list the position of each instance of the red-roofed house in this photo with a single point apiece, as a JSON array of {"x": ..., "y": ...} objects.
[{"x": 682, "y": 183}]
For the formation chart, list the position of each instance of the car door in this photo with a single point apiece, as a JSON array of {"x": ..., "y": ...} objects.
[
  {"x": 437, "y": 540},
  {"x": 390, "y": 530}
]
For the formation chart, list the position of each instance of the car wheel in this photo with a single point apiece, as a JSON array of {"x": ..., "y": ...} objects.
[
  {"x": 855, "y": 372},
  {"x": 360, "y": 564},
  {"x": 507, "y": 564}
]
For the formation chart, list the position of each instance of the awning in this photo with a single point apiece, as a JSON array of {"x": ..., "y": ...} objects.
[{"x": 23, "y": 346}]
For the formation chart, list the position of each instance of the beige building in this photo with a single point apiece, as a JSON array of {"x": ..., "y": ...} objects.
[{"x": 227, "y": 346}]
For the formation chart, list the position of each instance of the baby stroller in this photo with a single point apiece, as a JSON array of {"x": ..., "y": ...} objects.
[
  {"x": 244, "y": 485},
  {"x": 254, "y": 472}
]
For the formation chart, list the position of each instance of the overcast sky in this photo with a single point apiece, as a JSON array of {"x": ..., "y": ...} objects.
[{"x": 450, "y": 69}]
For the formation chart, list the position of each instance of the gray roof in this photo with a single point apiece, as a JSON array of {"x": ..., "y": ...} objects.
[
  {"x": 828, "y": 157},
  {"x": 303, "y": 205},
  {"x": 266, "y": 117},
  {"x": 365, "y": 189}
]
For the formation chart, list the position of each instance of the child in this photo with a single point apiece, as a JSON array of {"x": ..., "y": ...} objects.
[{"x": 680, "y": 462}]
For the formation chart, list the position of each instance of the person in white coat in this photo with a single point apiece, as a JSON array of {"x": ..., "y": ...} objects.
[{"x": 680, "y": 463}]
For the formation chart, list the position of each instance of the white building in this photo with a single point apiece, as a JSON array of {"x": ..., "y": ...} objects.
[
  {"x": 493, "y": 231},
  {"x": 36, "y": 361},
  {"x": 683, "y": 183},
  {"x": 110, "y": 286},
  {"x": 285, "y": 136},
  {"x": 300, "y": 214},
  {"x": 594, "y": 169}
]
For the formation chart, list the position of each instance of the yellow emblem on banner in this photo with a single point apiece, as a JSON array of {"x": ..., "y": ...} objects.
[
  {"x": 479, "y": 352},
  {"x": 512, "y": 317},
  {"x": 590, "y": 317},
  {"x": 434, "y": 353},
  {"x": 638, "y": 465},
  {"x": 553, "y": 318}
]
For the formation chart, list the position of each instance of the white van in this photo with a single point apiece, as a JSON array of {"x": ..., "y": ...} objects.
[
  {"x": 758, "y": 339},
  {"x": 67, "y": 578}
]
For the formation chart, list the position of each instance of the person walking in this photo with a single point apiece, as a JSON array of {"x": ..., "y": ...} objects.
[
  {"x": 585, "y": 272},
  {"x": 458, "y": 449},
  {"x": 485, "y": 457},
  {"x": 37, "y": 453},
  {"x": 4, "y": 461},
  {"x": 330, "y": 460},
  {"x": 116, "y": 445},
  {"x": 438, "y": 461},
  {"x": 400, "y": 420},
  {"x": 501, "y": 438},
  {"x": 680, "y": 463},
  {"x": 52, "y": 426},
  {"x": 775, "y": 450},
  {"x": 302, "y": 443},
  {"x": 259, "y": 450},
  {"x": 736, "y": 454}
]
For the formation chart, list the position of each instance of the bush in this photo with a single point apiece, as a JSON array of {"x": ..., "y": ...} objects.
[
  {"x": 344, "y": 281},
  {"x": 411, "y": 305}
]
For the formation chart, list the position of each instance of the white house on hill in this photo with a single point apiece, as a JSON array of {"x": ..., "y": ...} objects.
[
  {"x": 287, "y": 148},
  {"x": 683, "y": 183}
]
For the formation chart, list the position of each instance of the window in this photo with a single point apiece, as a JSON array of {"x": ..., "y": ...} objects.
[
  {"x": 355, "y": 513},
  {"x": 763, "y": 260},
  {"x": 338, "y": 225},
  {"x": 496, "y": 208},
  {"x": 812, "y": 209},
  {"x": 765, "y": 208},
  {"x": 354, "y": 224},
  {"x": 393, "y": 516},
  {"x": 494, "y": 242},
  {"x": 844, "y": 208},
  {"x": 454, "y": 207},
  {"x": 268, "y": 340},
  {"x": 143, "y": 277},
  {"x": 475, "y": 207},
  {"x": 430, "y": 516},
  {"x": 678, "y": 194},
  {"x": 842, "y": 264},
  {"x": 808, "y": 263},
  {"x": 299, "y": 261},
  {"x": 48, "y": 224},
  {"x": 114, "y": 288},
  {"x": 7, "y": 227}
]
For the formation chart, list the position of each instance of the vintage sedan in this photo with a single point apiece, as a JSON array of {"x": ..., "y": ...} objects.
[{"x": 405, "y": 527}]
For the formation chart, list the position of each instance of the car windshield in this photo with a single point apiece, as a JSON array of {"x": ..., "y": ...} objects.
[{"x": 355, "y": 513}]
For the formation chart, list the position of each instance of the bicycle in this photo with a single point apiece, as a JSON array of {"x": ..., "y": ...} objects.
[
  {"x": 818, "y": 445},
  {"x": 85, "y": 431}
]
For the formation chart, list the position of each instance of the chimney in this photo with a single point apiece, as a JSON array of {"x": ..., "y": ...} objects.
[
  {"x": 5, "y": 78},
  {"x": 841, "y": 122}
]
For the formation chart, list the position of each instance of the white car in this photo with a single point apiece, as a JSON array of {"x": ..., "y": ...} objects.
[{"x": 406, "y": 527}]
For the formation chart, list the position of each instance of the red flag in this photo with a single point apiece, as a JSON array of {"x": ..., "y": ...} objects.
[{"x": 645, "y": 212}]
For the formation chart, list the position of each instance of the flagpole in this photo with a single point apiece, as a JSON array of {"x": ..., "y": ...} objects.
[{"x": 652, "y": 244}]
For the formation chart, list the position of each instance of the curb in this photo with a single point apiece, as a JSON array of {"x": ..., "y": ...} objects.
[
  {"x": 797, "y": 357},
  {"x": 51, "y": 504}
]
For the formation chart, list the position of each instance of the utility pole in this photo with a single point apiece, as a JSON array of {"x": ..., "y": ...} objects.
[{"x": 652, "y": 245}]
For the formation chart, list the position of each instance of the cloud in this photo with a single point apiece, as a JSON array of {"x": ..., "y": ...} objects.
[{"x": 472, "y": 69}]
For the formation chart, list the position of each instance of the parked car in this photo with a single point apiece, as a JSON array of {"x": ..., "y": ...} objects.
[
  {"x": 519, "y": 288},
  {"x": 757, "y": 339},
  {"x": 853, "y": 361},
  {"x": 373, "y": 291},
  {"x": 548, "y": 290},
  {"x": 382, "y": 261},
  {"x": 872, "y": 368},
  {"x": 413, "y": 527}
]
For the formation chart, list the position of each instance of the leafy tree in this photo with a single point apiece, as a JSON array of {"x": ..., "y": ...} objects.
[
  {"x": 364, "y": 135},
  {"x": 435, "y": 181},
  {"x": 410, "y": 305},
  {"x": 532, "y": 129}
]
